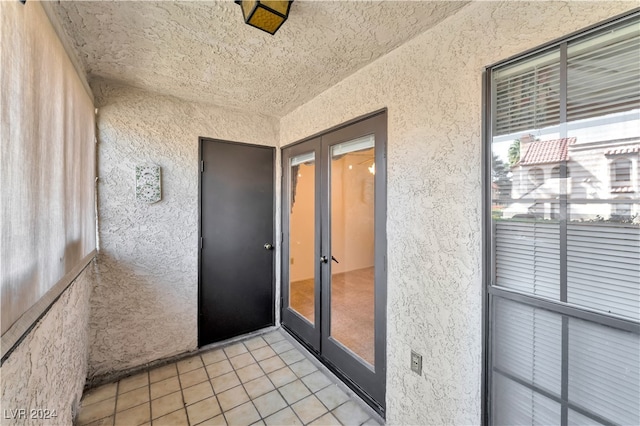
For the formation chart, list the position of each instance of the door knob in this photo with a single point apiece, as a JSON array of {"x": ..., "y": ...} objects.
[
  {"x": 324, "y": 259},
  {"x": 268, "y": 246}
]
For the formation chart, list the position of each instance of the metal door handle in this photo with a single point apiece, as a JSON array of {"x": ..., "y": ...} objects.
[
  {"x": 268, "y": 246},
  {"x": 324, "y": 259}
]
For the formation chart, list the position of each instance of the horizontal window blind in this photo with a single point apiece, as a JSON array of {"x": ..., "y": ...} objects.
[
  {"x": 604, "y": 373},
  {"x": 603, "y": 268},
  {"x": 527, "y": 97},
  {"x": 528, "y": 344},
  {"x": 603, "y": 74},
  {"x": 520, "y": 405},
  {"x": 527, "y": 257}
]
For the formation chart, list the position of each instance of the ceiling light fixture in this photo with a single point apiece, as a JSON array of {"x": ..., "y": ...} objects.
[{"x": 266, "y": 15}]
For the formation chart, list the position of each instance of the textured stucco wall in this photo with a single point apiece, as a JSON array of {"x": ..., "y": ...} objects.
[
  {"x": 432, "y": 89},
  {"x": 145, "y": 300},
  {"x": 47, "y": 370}
]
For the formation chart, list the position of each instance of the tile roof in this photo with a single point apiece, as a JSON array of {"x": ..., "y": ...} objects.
[
  {"x": 622, "y": 151},
  {"x": 552, "y": 151}
]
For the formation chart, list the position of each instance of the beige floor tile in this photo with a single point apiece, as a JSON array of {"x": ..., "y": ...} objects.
[
  {"x": 133, "y": 416},
  {"x": 292, "y": 356},
  {"x": 92, "y": 412},
  {"x": 242, "y": 415},
  {"x": 258, "y": 387},
  {"x": 269, "y": 403},
  {"x": 235, "y": 350},
  {"x": 350, "y": 413},
  {"x": 232, "y": 398},
  {"x": 197, "y": 393},
  {"x": 107, "y": 421},
  {"x": 224, "y": 382},
  {"x": 258, "y": 423},
  {"x": 193, "y": 377},
  {"x": 166, "y": 404},
  {"x": 284, "y": 417},
  {"x": 294, "y": 391},
  {"x": 263, "y": 353},
  {"x": 176, "y": 418},
  {"x": 371, "y": 422},
  {"x": 203, "y": 410},
  {"x": 255, "y": 343},
  {"x": 216, "y": 421},
  {"x": 100, "y": 393},
  {"x": 219, "y": 368},
  {"x": 242, "y": 360},
  {"x": 281, "y": 346},
  {"x": 165, "y": 387},
  {"x": 273, "y": 337},
  {"x": 189, "y": 364},
  {"x": 326, "y": 420},
  {"x": 316, "y": 381},
  {"x": 249, "y": 373},
  {"x": 163, "y": 372},
  {"x": 282, "y": 377},
  {"x": 133, "y": 382},
  {"x": 132, "y": 398},
  {"x": 303, "y": 368},
  {"x": 332, "y": 396},
  {"x": 272, "y": 364},
  {"x": 212, "y": 357},
  {"x": 309, "y": 409}
]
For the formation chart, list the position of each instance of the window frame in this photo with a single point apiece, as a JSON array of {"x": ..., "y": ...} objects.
[{"x": 490, "y": 292}]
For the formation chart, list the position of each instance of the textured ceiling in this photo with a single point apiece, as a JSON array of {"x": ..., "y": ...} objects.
[{"x": 203, "y": 51}]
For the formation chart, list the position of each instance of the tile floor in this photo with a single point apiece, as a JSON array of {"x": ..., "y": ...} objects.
[{"x": 263, "y": 380}]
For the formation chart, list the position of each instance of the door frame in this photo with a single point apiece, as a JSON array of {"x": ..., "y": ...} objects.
[
  {"x": 380, "y": 257},
  {"x": 275, "y": 242}
]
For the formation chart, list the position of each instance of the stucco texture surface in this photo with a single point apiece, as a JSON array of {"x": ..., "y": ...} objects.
[
  {"x": 47, "y": 370},
  {"x": 199, "y": 50},
  {"x": 145, "y": 304},
  {"x": 432, "y": 87}
]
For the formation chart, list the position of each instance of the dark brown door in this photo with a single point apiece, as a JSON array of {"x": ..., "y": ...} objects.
[{"x": 236, "y": 293}]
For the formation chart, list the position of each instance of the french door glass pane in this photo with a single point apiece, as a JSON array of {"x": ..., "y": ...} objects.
[
  {"x": 352, "y": 196},
  {"x": 302, "y": 236}
]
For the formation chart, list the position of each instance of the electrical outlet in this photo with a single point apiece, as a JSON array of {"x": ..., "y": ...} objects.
[{"x": 416, "y": 363}]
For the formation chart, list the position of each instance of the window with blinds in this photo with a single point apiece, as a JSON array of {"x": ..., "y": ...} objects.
[{"x": 564, "y": 231}]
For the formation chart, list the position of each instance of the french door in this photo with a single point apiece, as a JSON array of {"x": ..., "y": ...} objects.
[{"x": 334, "y": 245}]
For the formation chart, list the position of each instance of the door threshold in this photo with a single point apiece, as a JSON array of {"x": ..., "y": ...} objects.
[
  {"x": 235, "y": 339},
  {"x": 372, "y": 408}
]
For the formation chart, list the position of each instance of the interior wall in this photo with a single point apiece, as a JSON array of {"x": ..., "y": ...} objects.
[
  {"x": 302, "y": 242},
  {"x": 432, "y": 87},
  {"x": 145, "y": 302}
]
